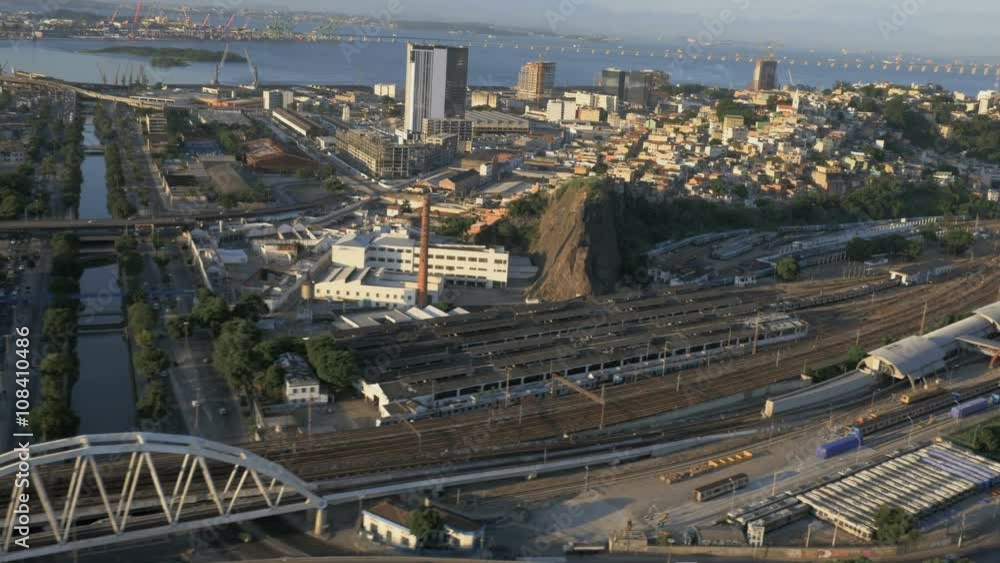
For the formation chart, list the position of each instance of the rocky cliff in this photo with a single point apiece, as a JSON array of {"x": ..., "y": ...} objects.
[{"x": 577, "y": 244}]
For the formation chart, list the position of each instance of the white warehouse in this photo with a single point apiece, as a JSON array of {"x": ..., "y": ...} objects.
[{"x": 396, "y": 250}]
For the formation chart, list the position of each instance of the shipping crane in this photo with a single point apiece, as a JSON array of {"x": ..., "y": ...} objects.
[
  {"x": 232, "y": 18},
  {"x": 222, "y": 63},
  {"x": 138, "y": 12},
  {"x": 255, "y": 81},
  {"x": 205, "y": 23},
  {"x": 187, "y": 16},
  {"x": 114, "y": 16}
]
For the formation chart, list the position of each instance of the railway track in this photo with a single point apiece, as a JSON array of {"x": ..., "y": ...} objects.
[{"x": 554, "y": 423}]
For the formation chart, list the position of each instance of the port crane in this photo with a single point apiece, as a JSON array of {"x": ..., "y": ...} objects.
[
  {"x": 138, "y": 12},
  {"x": 114, "y": 16},
  {"x": 205, "y": 23},
  {"x": 222, "y": 63},
  {"x": 254, "y": 71}
]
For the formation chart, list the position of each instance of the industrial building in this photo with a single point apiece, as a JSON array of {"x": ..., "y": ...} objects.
[
  {"x": 296, "y": 122},
  {"x": 373, "y": 287},
  {"x": 268, "y": 155},
  {"x": 301, "y": 384},
  {"x": 436, "y": 80},
  {"x": 486, "y": 122},
  {"x": 450, "y": 365},
  {"x": 920, "y": 482},
  {"x": 396, "y": 250},
  {"x": 461, "y": 127}
]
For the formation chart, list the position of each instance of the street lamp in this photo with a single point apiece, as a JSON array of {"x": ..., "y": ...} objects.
[{"x": 732, "y": 505}]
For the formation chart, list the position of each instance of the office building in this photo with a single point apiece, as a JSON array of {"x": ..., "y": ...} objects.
[
  {"x": 985, "y": 97},
  {"x": 274, "y": 99},
  {"x": 535, "y": 82},
  {"x": 560, "y": 110},
  {"x": 607, "y": 102},
  {"x": 765, "y": 75},
  {"x": 436, "y": 78},
  {"x": 385, "y": 90},
  {"x": 612, "y": 82}
]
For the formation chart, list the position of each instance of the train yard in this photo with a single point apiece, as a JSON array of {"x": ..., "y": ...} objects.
[
  {"x": 547, "y": 423},
  {"x": 731, "y": 362}
]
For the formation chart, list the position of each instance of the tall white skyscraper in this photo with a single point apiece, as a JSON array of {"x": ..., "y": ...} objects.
[{"x": 436, "y": 79}]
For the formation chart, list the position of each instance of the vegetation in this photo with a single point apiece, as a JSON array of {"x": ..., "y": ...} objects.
[
  {"x": 118, "y": 203},
  {"x": 425, "y": 524},
  {"x": 336, "y": 367},
  {"x": 979, "y": 137},
  {"x": 170, "y": 56},
  {"x": 957, "y": 241},
  {"x": 456, "y": 226},
  {"x": 894, "y": 525},
  {"x": 854, "y": 356},
  {"x": 787, "y": 269},
  {"x": 984, "y": 438},
  {"x": 54, "y": 417}
]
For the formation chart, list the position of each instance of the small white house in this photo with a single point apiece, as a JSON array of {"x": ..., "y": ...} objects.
[
  {"x": 301, "y": 384},
  {"x": 388, "y": 524}
]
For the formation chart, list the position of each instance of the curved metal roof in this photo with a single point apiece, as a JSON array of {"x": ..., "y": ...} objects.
[
  {"x": 991, "y": 313},
  {"x": 913, "y": 356}
]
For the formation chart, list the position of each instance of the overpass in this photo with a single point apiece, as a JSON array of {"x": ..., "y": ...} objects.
[
  {"x": 53, "y": 84},
  {"x": 187, "y": 221}
]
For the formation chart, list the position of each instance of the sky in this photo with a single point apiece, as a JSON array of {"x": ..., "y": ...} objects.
[{"x": 931, "y": 27}]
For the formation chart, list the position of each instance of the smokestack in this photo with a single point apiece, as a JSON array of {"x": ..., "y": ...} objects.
[{"x": 423, "y": 299}]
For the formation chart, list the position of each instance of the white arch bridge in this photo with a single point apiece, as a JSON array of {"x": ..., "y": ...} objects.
[{"x": 90, "y": 491}]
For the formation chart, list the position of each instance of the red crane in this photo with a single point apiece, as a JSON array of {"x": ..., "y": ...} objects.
[
  {"x": 138, "y": 10},
  {"x": 205, "y": 23},
  {"x": 232, "y": 18}
]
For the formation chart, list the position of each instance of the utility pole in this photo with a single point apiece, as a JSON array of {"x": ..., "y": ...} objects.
[
  {"x": 961, "y": 533},
  {"x": 603, "y": 405},
  {"x": 507, "y": 391},
  {"x": 923, "y": 320},
  {"x": 756, "y": 334},
  {"x": 809, "y": 530}
]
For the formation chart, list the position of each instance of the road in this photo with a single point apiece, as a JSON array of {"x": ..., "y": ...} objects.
[
  {"x": 25, "y": 313},
  {"x": 200, "y": 391}
]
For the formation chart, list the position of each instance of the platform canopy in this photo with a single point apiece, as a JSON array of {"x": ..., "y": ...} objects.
[
  {"x": 913, "y": 357},
  {"x": 991, "y": 313}
]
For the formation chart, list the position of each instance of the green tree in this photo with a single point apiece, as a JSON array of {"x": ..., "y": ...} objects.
[
  {"x": 180, "y": 327},
  {"x": 270, "y": 383},
  {"x": 141, "y": 316},
  {"x": 54, "y": 419},
  {"x": 914, "y": 249},
  {"x": 957, "y": 241},
  {"x": 425, "y": 524},
  {"x": 149, "y": 362},
  {"x": 787, "y": 269},
  {"x": 59, "y": 325},
  {"x": 334, "y": 366},
  {"x": 235, "y": 354},
  {"x": 894, "y": 525},
  {"x": 251, "y": 307},
  {"x": 210, "y": 311},
  {"x": 155, "y": 401}
]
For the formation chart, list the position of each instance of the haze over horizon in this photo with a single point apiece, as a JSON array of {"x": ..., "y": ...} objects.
[{"x": 925, "y": 27}]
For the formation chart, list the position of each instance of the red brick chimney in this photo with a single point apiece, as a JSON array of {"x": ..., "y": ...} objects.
[{"x": 423, "y": 299}]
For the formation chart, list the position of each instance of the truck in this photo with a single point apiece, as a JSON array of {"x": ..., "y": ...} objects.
[
  {"x": 969, "y": 408},
  {"x": 839, "y": 446}
]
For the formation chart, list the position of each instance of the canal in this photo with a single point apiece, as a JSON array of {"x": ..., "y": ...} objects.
[{"x": 103, "y": 396}]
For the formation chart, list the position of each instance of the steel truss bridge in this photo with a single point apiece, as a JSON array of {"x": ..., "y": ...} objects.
[{"x": 91, "y": 491}]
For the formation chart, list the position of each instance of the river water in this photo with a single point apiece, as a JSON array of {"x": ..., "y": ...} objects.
[
  {"x": 103, "y": 397},
  {"x": 493, "y": 61}
]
